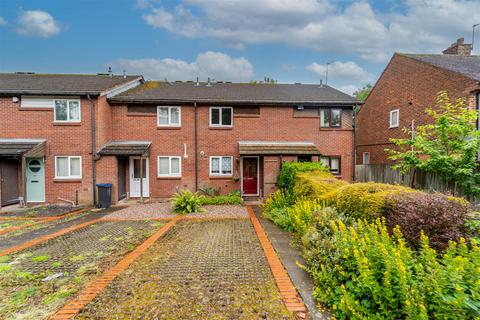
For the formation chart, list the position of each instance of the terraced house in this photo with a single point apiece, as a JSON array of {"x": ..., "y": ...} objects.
[{"x": 62, "y": 134}]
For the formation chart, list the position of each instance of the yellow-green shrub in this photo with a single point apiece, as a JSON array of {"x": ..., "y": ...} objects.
[
  {"x": 365, "y": 200},
  {"x": 300, "y": 214},
  {"x": 316, "y": 184}
]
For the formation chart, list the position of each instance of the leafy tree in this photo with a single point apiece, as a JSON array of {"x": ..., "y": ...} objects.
[
  {"x": 448, "y": 146},
  {"x": 362, "y": 94},
  {"x": 266, "y": 80}
]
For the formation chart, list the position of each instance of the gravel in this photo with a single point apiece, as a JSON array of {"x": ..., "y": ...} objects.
[{"x": 163, "y": 210}]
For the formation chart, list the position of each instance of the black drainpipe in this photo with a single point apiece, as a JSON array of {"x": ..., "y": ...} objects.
[
  {"x": 92, "y": 125},
  {"x": 196, "y": 145},
  {"x": 355, "y": 107}
]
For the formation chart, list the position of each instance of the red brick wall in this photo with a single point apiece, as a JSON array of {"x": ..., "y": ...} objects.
[
  {"x": 403, "y": 81},
  {"x": 273, "y": 124},
  {"x": 71, "y": 140}
]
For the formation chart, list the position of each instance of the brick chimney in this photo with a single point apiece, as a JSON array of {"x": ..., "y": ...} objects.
[{"x": 460, "y": 47}]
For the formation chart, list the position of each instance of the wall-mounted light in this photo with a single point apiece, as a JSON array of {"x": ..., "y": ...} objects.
[
  {"x": 300, "y": 107},
  {"x": 185, "y": 155},
  {"x": 15, "y": 99}
]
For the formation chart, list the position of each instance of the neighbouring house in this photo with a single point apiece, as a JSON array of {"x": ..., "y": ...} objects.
[
  {"x": 408, "y": 85},
  {"x": 62, "y": 134}
]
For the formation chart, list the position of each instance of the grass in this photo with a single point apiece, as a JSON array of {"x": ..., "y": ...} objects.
[{"x": 40, "y": 258}]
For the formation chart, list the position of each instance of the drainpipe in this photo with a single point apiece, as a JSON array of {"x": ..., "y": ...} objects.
[
  {"x": 354, "y": 140},
  {"x": 196, "y": 144},
  {"x": 92, "y": 130}
]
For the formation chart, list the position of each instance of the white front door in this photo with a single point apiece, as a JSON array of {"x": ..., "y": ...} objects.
[
  {"x": 135, "y": 177},
  {"x": 35, "y": 176}
]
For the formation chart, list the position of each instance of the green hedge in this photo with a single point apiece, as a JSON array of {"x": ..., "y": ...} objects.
[
  {"x": 316, "y": 185},
  {"x": 289, "y": 171},
  {"x": 230, "y": 199}
]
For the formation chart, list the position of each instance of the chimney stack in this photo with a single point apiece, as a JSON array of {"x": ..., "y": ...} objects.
[{"x": 459, "y": 48}]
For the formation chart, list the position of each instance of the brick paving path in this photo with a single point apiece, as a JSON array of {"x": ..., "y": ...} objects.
[
  {"x": 161, "y": 210},
  {"x": 74, "y": 258},
  {"x": 199, "y": 270}
]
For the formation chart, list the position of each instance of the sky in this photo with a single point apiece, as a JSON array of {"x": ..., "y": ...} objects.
[{"x": 229, "y": 40}]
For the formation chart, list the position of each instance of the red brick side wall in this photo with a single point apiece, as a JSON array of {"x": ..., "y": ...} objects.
[
  {"x": 71, "y": 140},
  {"x": 404, "y": 80},
  {"x": 273, "y": 124}
]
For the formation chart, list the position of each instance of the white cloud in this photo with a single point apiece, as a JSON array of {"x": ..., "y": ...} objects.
[
  {"x": 341, "y": 71},
  {"x": 215, "y": 65},
  {"x": 2, "y": 22},
  {"x": 37, "y": 23},
  {"x": 323, "y": 25}
]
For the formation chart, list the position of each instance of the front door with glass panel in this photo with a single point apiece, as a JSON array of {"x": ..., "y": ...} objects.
[
  {"x": 135, "y": 177},
  {"x": 35, "y": 180}
]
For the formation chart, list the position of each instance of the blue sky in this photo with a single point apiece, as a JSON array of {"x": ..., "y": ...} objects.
[{"x": 235, "y": 40}]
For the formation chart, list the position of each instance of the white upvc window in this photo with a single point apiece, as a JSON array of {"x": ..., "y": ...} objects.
[
  {"x": 221, "y": 166},
  {"x": 332, "y": 162},
  {"x": 366, "y": 158},
  {"x": 169, "y": 116},
  {"x": 169, "y": 166},
  {"x": 394, "y": 118},
  {"x": 67, "y": 110},
  {"x": 68, "y": 167},
  {"x": 221, "y": 116}
]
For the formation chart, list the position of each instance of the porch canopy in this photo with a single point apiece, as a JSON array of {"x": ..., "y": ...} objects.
[
  {"x": 125, "y": 148},
  {"x": 277, "y": 148},
  {"x": 17, "y": 148}
]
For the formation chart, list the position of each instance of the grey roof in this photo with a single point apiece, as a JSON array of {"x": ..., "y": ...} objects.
[
  {"x": 466, "y": 65},
  {"x": 125, "y": 148},
  {"x": 27, "y": 83},
  {"x": 237, "y": 93},
  {"x": 277, "y": 147},
  {"x": 19, "y": 147}
]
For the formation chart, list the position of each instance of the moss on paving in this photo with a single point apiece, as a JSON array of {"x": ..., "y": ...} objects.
[
  {"x": 71, "y": 261},
  {"x": 199, "y": 270}
]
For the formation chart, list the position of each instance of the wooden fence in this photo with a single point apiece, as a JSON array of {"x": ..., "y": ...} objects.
[{"x": 420, "y": 180}]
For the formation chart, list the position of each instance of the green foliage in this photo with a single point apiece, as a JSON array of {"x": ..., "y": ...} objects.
[
  {"x": 266, "y": 80},
  {"x": 301, "y": 213},
  {"x": 289, "y": 171},
  {"x": 362, "y": 94},
  {"x": 316, "y": 184},
  {"x": 186, "y": 202},
  {"x": 447, "y": 147},
  {"x": 232, "y": 198},
  {"x": 362, "y": 271},
  {"x": 210, "y": 191},
  {"x": 275, "y": 208},
  {"x": 365, "y": 200}
]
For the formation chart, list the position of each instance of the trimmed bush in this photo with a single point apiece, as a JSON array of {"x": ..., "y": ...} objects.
[
  {"x": 316, "y": 184},
  {"x": 231, "y": 199},
  {"x": 186, "y": 202},
  {"x": 289, "y": 171},
  {"x": 365, "y": 200},
  {"x": 440, "y": 217}
]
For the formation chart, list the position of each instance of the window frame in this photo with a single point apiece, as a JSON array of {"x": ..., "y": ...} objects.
[
  {"x": 220, "y": 117},
  {"x": 169, "y": 124},
  {"x": 398, "y": 118},
  {"x": 169, "y": 174},
  {"x": 363, "y": 157},
  {"x": 68, "y": 111},
  {"x": 330, "y": 117},
  {"x": 220, "y": 174},
  {"x": 339, "y": 173},
  {"x": 69, "y": 177}
]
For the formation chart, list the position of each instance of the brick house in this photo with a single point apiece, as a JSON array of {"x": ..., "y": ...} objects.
[
  {"x": 408, "y": 85},
  {"x": 151, "y": 139}
]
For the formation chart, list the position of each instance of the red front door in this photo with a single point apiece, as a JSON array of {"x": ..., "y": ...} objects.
[{"x": 250, "y": 176}]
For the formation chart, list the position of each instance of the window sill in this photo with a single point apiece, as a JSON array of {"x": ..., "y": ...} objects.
[
  {"x": 67, "y": 180},
  {"x": 169, "y": 127},
  {"x": 169, "y": 178},
  {"x": 67, "y": 124},
  {"x": 138, "y": 114},
  {"x": 220, "y": 128},
  {"x": 221, "y": 177},
  {"x": 34, "y": 109},
  {"x": 394, "y": 127}
]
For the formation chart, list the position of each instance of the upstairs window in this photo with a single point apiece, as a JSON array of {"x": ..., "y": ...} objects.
[
  {"x": 221, "y": 166},
  {"x": 333, "y": 163},
  {"x": 67, "y": 110},
  {"x": 68, "y": 167},
  {"x": 221, "y": 116},
  {"x": 330, "y": 118},
  {"x": 394, "y": 118},
  {"x": 168, "y": 116}
]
